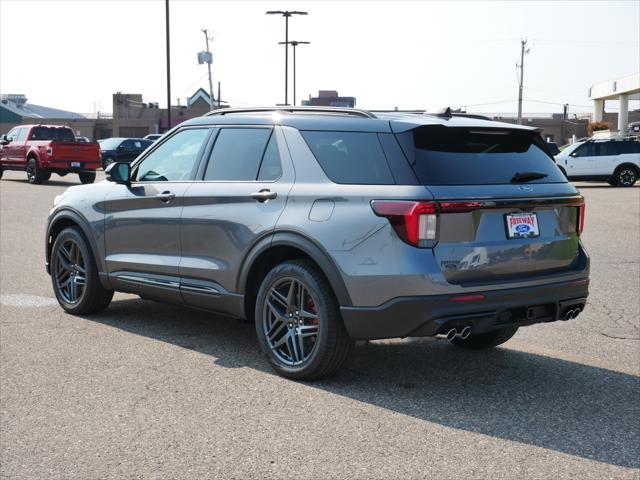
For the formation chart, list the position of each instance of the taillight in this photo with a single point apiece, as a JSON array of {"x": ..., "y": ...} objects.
[
  {"x": 415, "y": 222},
  {"x": 581, "y": 209}
]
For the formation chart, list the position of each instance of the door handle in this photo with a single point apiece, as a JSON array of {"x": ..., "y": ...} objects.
[
  {"x": 166, "y": 196},
  {"x": 263, "y": 195}
]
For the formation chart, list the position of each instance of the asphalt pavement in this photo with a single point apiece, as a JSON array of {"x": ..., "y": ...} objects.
[{"x": 146, "y": 390}]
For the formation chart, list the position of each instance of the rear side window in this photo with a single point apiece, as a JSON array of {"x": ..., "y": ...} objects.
[
  {"x": 460, "y": 156},
  {"x": 53, "y": 134},
  {"x": 350, "y": 157},
  {"x": 237, "y": 154},
  {"x": 607, "y": 149},
  {"x": 22, "y": 134}
]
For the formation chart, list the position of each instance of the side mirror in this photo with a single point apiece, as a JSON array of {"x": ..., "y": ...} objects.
[
  {"x": 120, "y": 148},
  {"x": 573, "y": 154},
  {"x": 119, "y": 172},
  {"x": 4, "y": 140}
]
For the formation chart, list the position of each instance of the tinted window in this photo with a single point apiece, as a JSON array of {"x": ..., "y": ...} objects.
[
  {"x": 237, "y": 154},
  {"x": 460, "y": 156},
  {"x": 630, "y": 147},
  {"x": 607, "y": 149},
  {"x": 585, "y": 150},
  {"x": 175, "y": 159},
  {"x": 53, "y": 134},
  {"x": 350, "y": 157},
  {"x": 271, "y": 167}
]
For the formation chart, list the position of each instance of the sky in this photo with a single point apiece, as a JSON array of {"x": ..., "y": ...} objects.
[{"x": 74, "y": 55}]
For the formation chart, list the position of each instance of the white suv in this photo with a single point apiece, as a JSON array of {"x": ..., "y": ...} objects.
[{"x": 614, "y": 161}]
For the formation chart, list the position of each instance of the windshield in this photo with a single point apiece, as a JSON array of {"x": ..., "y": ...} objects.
[
  {"x": 109, "y": 143},
  {"x": 53, "y": 134},
  {"x": 460, "y": 156}
]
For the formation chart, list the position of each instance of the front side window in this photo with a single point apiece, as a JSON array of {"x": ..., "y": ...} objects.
[
  {"x": 237, "y": 154},
  {"x": 11, "y": 136},
  {"x": 175, "y": 159},
  {"x": 585, "y": 150}
]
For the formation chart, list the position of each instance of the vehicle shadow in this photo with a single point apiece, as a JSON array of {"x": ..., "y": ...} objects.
[
  {"x": 546, "y": 402},
  {"x": 52, "y": 183}
]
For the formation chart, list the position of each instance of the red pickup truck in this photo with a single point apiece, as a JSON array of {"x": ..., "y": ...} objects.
[{"x": 41, "y": 150}]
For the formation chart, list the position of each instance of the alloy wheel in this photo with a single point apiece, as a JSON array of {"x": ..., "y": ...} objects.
[
  {"x": 627, "y": 177},
  {"x": 70, "y": 272},
  {"x": 290, "y": 321}
]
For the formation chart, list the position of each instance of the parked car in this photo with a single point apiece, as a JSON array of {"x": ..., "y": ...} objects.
[
  {"x": 41, "y": 150},
  {"x": 613, "y": 161},
  {"x": 118, "y": 149},
  {"x": 83, "y": 139},
  {"x": 329, "y": 225},
  {"x": 153, "y": 136}
]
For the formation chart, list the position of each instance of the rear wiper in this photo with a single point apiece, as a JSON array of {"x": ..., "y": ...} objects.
[{"x": 527, "y": 176}]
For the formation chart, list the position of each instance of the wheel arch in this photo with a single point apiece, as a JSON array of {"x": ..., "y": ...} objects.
[
  {"x": 69, "y": 218},
  {"x": 627, "y": 165},
  {"x": 280, "y": 247}
]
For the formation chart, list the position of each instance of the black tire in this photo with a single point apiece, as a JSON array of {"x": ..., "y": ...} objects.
[
  {"x": 330, "y": 346},
  {"x": 1, "y": 170},
  {"x": 36, "y": 175},
  {"x": 93, "y": 297},
  {"x": 87, "y": 177},
  {"x": 107, "y": 161},
  {"x": 625, "y": 176},
  {"x": 486, "y": 340}
]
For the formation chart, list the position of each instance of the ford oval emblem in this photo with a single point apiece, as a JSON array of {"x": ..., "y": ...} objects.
[{"x": 526, "y": 188}]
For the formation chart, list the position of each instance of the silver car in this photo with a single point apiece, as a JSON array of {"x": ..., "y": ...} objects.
[{"x": 329, "y": 225}]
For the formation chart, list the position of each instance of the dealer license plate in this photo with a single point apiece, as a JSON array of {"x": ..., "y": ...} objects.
[
  {"x": 75, "y": 164},
  {"x": 522, "y": 225}
]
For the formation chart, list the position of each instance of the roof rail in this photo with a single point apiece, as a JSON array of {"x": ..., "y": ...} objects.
[{"x": 331, "y": 110}]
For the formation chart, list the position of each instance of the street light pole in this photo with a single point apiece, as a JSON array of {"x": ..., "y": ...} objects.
[
  {"x": 286, "y": 14},
  {"x": 166, "y": 4},
  {"x": 294, "y": 44}
]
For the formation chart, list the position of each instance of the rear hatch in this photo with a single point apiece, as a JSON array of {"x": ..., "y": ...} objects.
[{"x": 505, "y": 211}]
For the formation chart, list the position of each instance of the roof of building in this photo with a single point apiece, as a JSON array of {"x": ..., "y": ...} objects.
[
  {"x": 311, "y": 118},
  {"x": 199, "y": 94},
  {"x": 30, "y": 110}
]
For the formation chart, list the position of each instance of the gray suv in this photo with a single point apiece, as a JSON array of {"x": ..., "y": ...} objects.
[{"x": 325, "y": 226}]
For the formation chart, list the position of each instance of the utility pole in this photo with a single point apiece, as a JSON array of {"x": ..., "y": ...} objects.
[
  {"x": 209, "y": 59},
  {"x": 294, "y": 44},
  {"x": 523, "y": 52},
  {"x": 286, "y": 14},
  {"x": 166, "y": 3},
  {"x": 218, "y": 94}
]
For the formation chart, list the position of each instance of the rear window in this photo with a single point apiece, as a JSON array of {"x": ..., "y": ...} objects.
[
  {"x": 460, "y": 156},
  {"x": 350, "y": 157},
  {"x": 53, "y": 134}
]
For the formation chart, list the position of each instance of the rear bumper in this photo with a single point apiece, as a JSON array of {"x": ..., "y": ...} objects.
[{"x": 429, "y": 315}]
